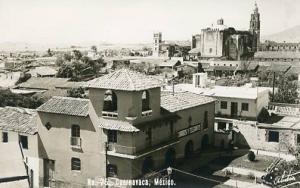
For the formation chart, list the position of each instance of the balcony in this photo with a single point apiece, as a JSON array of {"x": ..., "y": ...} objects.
[
  {"x": 132, "y": 152},
  {"x": 147, "y": 113},
  {"x": 76, "y": 142},
  {"x": 107, "y": 114},
  {"x": 121, "y": 149}
]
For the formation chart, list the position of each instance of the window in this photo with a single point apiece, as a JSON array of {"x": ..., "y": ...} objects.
[
  {"x": 205, "y": 122},
  {"x": 145, "y": 101},
  {"x": 75, "y": 131},
  {"x": 210, "y": 50},
  {"x": 245, "y": 106},
  {"x": 273, "y": 136},
  {"x": 148, "y": 134},
  {"x": 190, "y": 121},
  {"x": 110, "y": 101},
  {"x": 24, "y": 141},
  {"x": 171, "y": 128},
  {"x": 112, "y": 136},
  {"x": 298, "y": 139},
  {"x": 223, "y": 104},
  {"x": 221, "y": 126},
  {"x": 75, "y": 164},
  {"x": 230, "y": 126},
  {"x": 112, "y": 170},
  {"x": 4, "y": 137}
]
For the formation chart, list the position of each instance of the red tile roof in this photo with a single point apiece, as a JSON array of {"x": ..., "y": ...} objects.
[
  {"x": 21, "y": 120},
  {"x": 125, "y": 79},
  {"x": 112, "y": 124},
  {"x": 183, "y": 100},
  {"x": 66, "y": 105}
]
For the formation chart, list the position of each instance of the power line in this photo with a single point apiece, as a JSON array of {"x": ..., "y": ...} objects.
[{"x": 197, "y": 176}]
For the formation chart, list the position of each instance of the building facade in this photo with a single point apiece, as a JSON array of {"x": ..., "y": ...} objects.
[
  {"x": 225, "y": 42},
  {"x": 126, "y": 129}
]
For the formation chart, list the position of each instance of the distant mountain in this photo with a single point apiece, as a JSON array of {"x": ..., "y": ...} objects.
[
  {"x": 288, "y": 35},
  {"x": 26, "y": 46}
]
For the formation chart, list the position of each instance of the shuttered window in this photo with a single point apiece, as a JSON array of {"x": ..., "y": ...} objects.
[{"x": 75, "y": 164}]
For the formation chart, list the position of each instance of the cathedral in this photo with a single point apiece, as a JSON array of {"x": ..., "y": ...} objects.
[{"x": 227, "y": 43}]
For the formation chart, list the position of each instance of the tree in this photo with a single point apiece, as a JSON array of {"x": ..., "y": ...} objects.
[
  {"x": 7, "y": 98},
  {"x": 67, "y": 57},
  {"x": 49, "y": 52},
  {"x": 65, "y": 71},
  {"x": 251, "y": 156},
  {"x": 77, "y": 54},
  {"x": 287, "y": 91},
  {"x": 263, "y": 116},
  {"x": 94, "y": 48},
  {"x": 76, "y": 92}
]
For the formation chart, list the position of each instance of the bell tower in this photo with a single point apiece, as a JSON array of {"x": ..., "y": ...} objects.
[
  {"x": 255, "y": 28},
  {"x": 156, "y": 44}
]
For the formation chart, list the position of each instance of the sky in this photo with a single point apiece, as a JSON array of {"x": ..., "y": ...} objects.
[{"x": 134, "y": 21}]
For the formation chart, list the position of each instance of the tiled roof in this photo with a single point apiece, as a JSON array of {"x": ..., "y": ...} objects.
[
  {"x": 112, "y": 124},
  {"x": 43, "y": 82},
  {"x": 229, "y": 68},
  {"x": 125, "y": 79},
  {"x": 277, "y": 54},
  {"x": 66, "y": 105},
  {"x": 182, "y": 100},
  {"x": 17, "y": 119}
]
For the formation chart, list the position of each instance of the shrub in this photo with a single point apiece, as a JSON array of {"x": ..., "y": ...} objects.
[
  {"x": 251, "y": 176},
  {"x": 251, "y": 156},
  {"x": 227, "y": 172}
]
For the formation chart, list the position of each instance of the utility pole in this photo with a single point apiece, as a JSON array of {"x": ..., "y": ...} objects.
[
  {"x": 106, "y": 172},
  {"x": 273, "y": 86}
]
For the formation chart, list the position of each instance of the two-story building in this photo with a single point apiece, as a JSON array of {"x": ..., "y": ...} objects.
[
  {"x": 127, "y": 128},
  {"x": 18, "y": 129},
  {"x": 232, "y": 103}
]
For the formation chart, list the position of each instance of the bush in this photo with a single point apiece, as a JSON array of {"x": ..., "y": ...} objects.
[
  {"x": 263, "y": 116},
  {"x": 251, "y": 156},
  {"x": 227, "y": 172},
  {"x": 251, "y": 176}
]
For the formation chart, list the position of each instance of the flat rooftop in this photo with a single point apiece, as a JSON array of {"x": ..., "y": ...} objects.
[
  {"x": 224, "y": 91},
  {"x": 286, "y": 122}
]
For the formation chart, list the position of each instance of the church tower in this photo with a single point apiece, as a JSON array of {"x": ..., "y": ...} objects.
[
  {"x": 156, "y": 44},
  {"x": 255, "y": 28}
]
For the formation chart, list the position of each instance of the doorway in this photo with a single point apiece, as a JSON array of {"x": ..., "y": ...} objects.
[
  {"x": 189, "y": 149},
  {"x": 48, "y": 171},
  {"x": 234, "y": 109}
]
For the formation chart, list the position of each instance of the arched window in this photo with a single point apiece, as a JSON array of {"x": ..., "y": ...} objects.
[
  {"x": 75, "y": 164},
  {"x": 145, "y": 101},
  {"x": 110, "y": 101},
  {"x": 75, "y": 131}
]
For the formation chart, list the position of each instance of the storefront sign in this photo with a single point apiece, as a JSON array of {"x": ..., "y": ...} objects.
[{"x": 189, "y": 130}]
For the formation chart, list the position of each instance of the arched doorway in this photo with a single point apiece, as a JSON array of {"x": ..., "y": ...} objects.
[
  {"x": 205, "y": 142},
  {"x": 148, "y": 165},
  {"x": 189, "y": 149},
  {"x": 170, "y": 157}
]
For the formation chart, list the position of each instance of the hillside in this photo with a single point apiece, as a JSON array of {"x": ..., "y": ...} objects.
[{"x": 288, "y": 35}]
